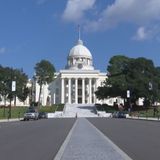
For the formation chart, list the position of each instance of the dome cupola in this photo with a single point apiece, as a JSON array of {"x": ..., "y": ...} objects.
[
  {"x": 80, "y": 57},
  {"x": 80, "y": 50}
]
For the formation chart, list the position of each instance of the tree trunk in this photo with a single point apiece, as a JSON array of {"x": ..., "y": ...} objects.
[
  {"x": 39, "y": 95},
  {"x": 9, "y": 115},
  {"x": 5, "y": 100},
  {"x": 14, "y": 100},
  {"x": 4, "y": 111}
]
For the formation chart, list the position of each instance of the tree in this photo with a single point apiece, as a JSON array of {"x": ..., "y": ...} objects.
[
  {"x": 22, "y": 91},
  {"x": 139, "y": 75},
  {"x": 44, "y": 74},
  {"x": 5, "y": 83},
  {"x": 142, "y": 75},
  {"x": 115, "y": 84},
  {"x": 7, "y": 75}
]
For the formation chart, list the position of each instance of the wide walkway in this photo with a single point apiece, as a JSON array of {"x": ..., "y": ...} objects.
[
  {"x": 85, "y": 142},
  {"x": 80, "y": 110}
]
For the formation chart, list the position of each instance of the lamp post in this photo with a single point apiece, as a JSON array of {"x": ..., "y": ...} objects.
[
  {"x": 3, "y": 90},
  {"x": 129, "y": 100},
  {"x": 33, "y": 90},
  {"x": 14, "y": 87},
  {"x": 150, "y": 88},
  {"x": 12, "y": 90}
]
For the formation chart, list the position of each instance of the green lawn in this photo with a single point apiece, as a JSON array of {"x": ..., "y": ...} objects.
[
  {"x": 18, "y": 112},
  {"x": 106, "y": 108},
  {"x": 149, "y": 112},
  {"x": 137, "y": 111},
  {"x": 51, "y": 109}
]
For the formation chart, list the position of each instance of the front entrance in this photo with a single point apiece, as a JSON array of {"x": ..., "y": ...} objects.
[{"x": 80, "y": 91}]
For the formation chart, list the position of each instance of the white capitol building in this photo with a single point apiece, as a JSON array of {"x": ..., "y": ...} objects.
[{"x": 77, "y": 83}]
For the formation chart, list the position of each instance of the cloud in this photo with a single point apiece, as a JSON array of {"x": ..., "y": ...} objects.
[
  {"x": 75, "y": 9},
  {"x": 3, "y": 50},
  {"x": 141, "y": 34},
  {"x": 145, "y": 14},
  {"x": 144, "y": 33},
  {"x": 139, "y": 12},
  {"x": 142, "y": 13},
  {"x": 40, "y": 2}
]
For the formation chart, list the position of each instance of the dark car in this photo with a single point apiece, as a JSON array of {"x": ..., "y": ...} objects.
[
  {"x": 119, "y": 114},
  {"x": 42, "y": 115}
]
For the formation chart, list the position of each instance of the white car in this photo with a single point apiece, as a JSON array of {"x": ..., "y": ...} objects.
[{"x": 31, "y": 114}]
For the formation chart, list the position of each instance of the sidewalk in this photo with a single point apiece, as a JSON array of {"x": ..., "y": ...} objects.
[
  {"x": 86, "y": 142},
  {"x": 144, "y": 118},
  {"x": 11, "y": 120}
]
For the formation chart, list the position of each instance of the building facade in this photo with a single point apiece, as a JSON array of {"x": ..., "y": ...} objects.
[{"x": 77, "y": 83}]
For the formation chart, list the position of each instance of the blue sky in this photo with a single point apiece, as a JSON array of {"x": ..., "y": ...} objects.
[{"x": 32, "y": 30}]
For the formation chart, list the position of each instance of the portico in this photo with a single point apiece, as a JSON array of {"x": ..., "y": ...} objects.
[{"x": 78, "y": 90}]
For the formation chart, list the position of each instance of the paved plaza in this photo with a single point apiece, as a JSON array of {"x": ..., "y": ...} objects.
[{"x": 80, "y": 138}]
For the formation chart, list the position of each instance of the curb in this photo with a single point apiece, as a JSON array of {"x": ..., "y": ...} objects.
[
  {"x": 11, "y": 120},
  {"x": 144, "y": 119}
]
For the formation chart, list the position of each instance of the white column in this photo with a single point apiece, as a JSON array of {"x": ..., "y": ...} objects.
[
  {"x": 94, "y": 91},
  {"x": 90, "y": 90},
  {"x": 54, "y": 98},
  {"x": 69, "y": 91},
  {"x": 83, "y": 90},
  {"x": 62, "y": 90},
  {"x": 76, "y": 90}
]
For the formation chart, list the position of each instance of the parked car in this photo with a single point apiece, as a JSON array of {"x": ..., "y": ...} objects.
[
  {"x": 42, "y": 115},
  {"x": 119, "y": 114},
  {"x": 31, "y": 114}
]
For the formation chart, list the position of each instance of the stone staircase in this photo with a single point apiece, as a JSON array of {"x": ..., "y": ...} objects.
[{"x": 79, "y": 110}]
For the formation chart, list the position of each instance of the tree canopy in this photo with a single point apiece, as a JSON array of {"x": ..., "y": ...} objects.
[
  {"x": 7, "y": 75},
  {"x": 139, "y": 75},
  {"x": 44, "y": 74},
  {"x": 21, "y": 79}
]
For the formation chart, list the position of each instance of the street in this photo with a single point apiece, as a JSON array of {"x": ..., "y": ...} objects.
[
  {"x": 41, "y": 140},
  {"x": 33, "y": 140},
  {"x": 139, "y": 139}
]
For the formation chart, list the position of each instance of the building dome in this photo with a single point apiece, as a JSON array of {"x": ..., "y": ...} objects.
[
  {"x": 80, "y": 57},
  {"x": 80, "y": 51}
]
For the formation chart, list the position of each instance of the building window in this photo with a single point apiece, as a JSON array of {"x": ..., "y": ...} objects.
[
  {"x": 79, "y": 92},
  {"x": 57, "y": 91}
]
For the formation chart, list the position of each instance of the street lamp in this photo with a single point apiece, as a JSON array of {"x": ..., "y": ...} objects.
[
  {"x": 150, "y": 86},
  {"x": 129, "y": 100},
  {"x": 3, "y": 97},
  {"x": 13, "y": 90},
  {"x": 13, "y": 86}
]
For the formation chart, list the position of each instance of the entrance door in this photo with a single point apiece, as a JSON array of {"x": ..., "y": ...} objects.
[{"x": 80, "y": 91}]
